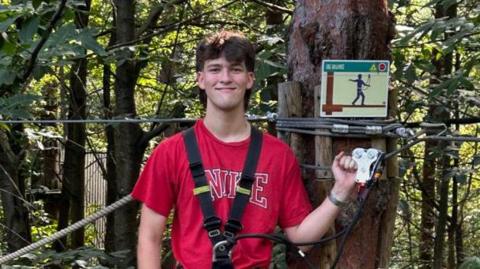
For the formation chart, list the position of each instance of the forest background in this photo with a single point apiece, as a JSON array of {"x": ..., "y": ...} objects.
[{"x": 87, "y": 59}]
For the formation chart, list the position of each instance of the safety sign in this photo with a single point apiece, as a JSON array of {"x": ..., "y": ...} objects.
[{"x": 354, "y": 88}]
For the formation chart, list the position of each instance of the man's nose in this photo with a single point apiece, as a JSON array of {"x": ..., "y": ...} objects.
[{"x": 225, "y": 75}]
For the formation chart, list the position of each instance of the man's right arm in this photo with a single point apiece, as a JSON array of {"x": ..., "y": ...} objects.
[{"x": 150, "y": 236}]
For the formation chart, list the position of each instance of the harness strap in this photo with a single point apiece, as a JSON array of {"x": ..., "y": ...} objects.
[
  {"x": 211, "y": 222},
  {"x": 222, "y": 242},
  {"x": 244, "y": 188}
]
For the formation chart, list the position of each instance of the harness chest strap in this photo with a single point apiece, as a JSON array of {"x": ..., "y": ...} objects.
[{"x": 222, "y": 242}]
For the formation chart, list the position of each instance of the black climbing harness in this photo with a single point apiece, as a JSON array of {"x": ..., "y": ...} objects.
[{"x": 222, "y": 242}]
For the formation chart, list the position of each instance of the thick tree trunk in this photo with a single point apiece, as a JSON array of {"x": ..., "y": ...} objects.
[
  {"x": 346, "y": 29},
  {"x": 15, "y": 214},
  {"x": 73, "y": 187},
  {"x": 127, "y": 155}
]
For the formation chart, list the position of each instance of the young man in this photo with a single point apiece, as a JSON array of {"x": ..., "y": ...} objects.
[{"x": 225, "y": 75}]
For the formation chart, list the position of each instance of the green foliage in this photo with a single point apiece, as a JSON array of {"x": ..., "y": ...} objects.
[
  {"x": 77, "y": 258},
  {"x": 23, "y": 26},
  {"x": 16, "y": 106}
]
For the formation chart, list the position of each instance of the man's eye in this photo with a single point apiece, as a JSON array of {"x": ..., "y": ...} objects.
[{"x": 214, "y": 70}]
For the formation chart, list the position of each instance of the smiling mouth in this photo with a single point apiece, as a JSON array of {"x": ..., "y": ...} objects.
[{"x": 225, "y": 89}]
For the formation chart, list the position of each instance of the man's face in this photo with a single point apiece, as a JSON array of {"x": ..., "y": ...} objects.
[{"x": 225, "y": 84}]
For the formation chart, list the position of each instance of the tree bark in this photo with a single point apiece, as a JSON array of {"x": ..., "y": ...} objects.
[
  {"x": 344, "y": 29},
  {"x": 12, "y": 184},
  {"x": 127, "y": 156},
  {"x": 73, "y": 187},
  {"x": 443, "y": 66}
]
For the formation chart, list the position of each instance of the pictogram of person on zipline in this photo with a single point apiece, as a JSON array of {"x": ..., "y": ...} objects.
[{"x": 360, "y": 88}]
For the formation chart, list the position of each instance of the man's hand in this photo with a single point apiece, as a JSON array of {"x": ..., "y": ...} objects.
[{"x": 344, "y": 169}]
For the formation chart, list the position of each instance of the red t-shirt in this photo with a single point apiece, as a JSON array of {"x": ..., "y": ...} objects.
[{"x": 278, "y": 195}]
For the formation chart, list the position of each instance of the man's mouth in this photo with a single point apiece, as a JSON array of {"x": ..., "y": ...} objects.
[{"x": 225, "y": 89}]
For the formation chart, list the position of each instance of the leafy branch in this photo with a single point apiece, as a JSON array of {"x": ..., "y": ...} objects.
[{"x": 56, "y": 17}]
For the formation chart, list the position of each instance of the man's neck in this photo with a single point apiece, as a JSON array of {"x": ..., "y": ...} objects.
[{"x": 228, "y": 127}]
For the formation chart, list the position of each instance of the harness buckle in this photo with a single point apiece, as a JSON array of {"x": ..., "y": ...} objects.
[
  {"x": 212, "y": 223},
  {"x": 197, "y": 169},
  {"x": 214, "y": 233},
  {"x": 228, "y": 234},
  {"x": 233, "y": 226},
  {"x": 224, "y": 248}
]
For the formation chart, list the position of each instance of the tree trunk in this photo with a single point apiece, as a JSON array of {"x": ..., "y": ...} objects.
[
  {"x": 427, "y": 221},
  {"x": 127, "y": 156},
  {"x": 444, "y": 67},
  {"x": 454, "y": 223},
  {"x": 15, "y": 213},
  {"x": 73, "y": 187},
  {"x": 358, "y": 29},
  {"x": 110, "y": 177},
  {"x": 49, "y": 163}
]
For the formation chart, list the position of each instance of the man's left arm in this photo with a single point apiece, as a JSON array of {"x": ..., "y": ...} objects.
[{"x": 317, "y": 223}]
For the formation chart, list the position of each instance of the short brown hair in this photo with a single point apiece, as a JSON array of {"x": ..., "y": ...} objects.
[{"x": 234, "y": 46}]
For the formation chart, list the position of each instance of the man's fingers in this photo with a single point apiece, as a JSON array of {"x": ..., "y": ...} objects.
[
  {"x": 347, "y": 163},
  {"x": 352, "y": 165},
  {"x": 339, "y": 155},
  {"x": 343, "y": 162}
]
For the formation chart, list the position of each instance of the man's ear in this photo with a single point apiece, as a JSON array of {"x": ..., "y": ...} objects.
[
  {"x": 201, "y": 80},
  {"x": 251, "y": 80}
]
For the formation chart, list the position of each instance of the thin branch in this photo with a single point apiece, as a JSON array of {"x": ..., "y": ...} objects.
[
  {"x": 147, "y": 136},
  {"x": 472, "y": 120},
  {"x": 154, "y": 15},
  {"x": 274, "y": 7},
  {"x": 416, "y": 45},
  {"x": 423, "y": 92},
  {"x": 168, "y": 27},
  {"x": 33, "y": 59}
]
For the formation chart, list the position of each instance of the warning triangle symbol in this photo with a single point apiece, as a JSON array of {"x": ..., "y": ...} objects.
[{"x": 373, "y": 68}]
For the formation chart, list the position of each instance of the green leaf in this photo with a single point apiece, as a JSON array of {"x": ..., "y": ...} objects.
[
  {"x": 29, "y": 28},
  {"x": 4, "y": 126},
  {"x": 91, "y": 43},
  {"x": 410, "y": 74},
  {"x": 476, "y": 160},
  {"x": 16, "y": 106},
  {"x": 62, "y": 35},
  {"x": 36, "y": 3},
  {"x": 7, "y": 77},
  {"x": 6, "y": 23},
  {"x": 39, "y": 71},
  {"x": 8, "y": 47},
  {"x": 462, "y": 178}
]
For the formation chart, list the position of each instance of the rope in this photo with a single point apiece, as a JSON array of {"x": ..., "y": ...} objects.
[{"x": 77, "y": 225}]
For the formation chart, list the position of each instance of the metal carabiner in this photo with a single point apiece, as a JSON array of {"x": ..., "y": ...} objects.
[{"x": 221, "y": 246}]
